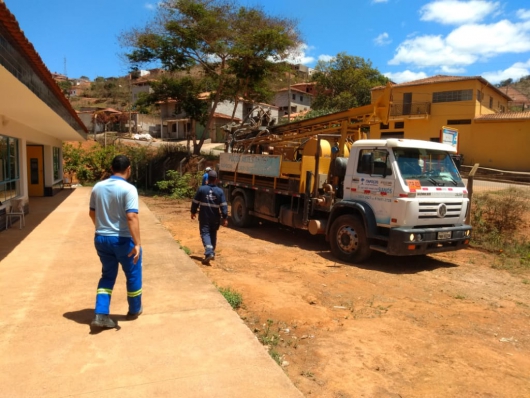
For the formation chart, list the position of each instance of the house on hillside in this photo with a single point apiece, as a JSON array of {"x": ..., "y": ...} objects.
[
  {"x": 176, "y": 125},
  {"x": 30, "y": 141},
  {"x": 298, "y": 97},
  {"x": 488, "y": 133}
]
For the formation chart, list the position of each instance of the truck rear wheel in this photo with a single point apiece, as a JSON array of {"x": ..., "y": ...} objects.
[
  {"x": 348, "y": 239},
  {"x": 240, "y": 215}
]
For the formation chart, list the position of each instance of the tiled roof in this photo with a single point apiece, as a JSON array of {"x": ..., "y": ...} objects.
[
  {"x": 445, "y": 79},
  {"x": 504, "y": 116},
  {"x": 293, "y": 89},
  {"x": 223, "y": 116},
  {"x": 27, "y": 50}
]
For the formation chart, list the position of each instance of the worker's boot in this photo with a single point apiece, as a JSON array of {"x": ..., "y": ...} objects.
[
  {"x": 208, "y": 258},
  {"x": 132, "y": 316},
  {"x": 103, "y": 321}
]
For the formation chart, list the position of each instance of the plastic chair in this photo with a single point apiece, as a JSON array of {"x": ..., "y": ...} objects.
[{"x": 16, "y": 210}]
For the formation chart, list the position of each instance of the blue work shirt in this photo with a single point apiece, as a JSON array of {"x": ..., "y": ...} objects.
[
  {"x": 211, "y": 203},
  {"x": 112, "y": 199}
]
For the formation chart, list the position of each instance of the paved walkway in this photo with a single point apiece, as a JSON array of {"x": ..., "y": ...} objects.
[{"x": 188, "y": 342}]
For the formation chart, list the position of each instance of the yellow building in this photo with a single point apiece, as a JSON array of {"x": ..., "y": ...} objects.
[{"x": 488, "y": 133}]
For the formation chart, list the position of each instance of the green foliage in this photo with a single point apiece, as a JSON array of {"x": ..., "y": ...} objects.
[
  {"x": 94, "y": 164},
  {"x": 234, "y": 46},
  {"x": 234, "y": 298},
  {"x": 345, "y": 82},
  {"x": 497, "y": 219},
  {"x": 115, "y": 90},
  {"x": 180, "y": 186}
]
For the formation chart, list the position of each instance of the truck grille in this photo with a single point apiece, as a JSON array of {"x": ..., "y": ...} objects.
[{"x": 437, "y": 210}]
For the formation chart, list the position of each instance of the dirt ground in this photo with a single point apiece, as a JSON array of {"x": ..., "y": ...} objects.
[{"x": 447, "y": 325}]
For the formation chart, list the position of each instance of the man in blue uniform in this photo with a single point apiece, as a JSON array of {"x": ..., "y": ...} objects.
[
  {"x": 211, "y": 203},
  {"x": 114, "y": 211},
  {"x": 205, "y": 176}
]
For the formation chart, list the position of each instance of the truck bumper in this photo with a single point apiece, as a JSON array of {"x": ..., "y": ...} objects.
[{"x": 427, "y": 240}]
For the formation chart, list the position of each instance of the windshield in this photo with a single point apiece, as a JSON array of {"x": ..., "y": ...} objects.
[{"x": 430, "y": 167}]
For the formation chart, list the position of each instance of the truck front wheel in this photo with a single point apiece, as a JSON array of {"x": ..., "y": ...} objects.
[
  {"x": 240, "y": 215},
  {"x": 348, "y": 239}
]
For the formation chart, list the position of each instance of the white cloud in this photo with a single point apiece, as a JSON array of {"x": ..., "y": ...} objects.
[
  {"x": 523, "y": 14},
  {"x": 465, "y": 45},
  {"x": 405, "y": 76},
  {"x": 455, "y": 12},
  {"x": 449, "y": 70},
  {"x": 516, "y": 71},
  {"x": 383, "y": 39},
  {"x": 325, "y": 57},
  {"x": 150, "y": 6},
  {"x": 379, "y": 1},
  {"x": 300, "y": 55}
]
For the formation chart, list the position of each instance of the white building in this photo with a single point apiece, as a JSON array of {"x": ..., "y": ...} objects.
[{"x": 35, "y": 119}]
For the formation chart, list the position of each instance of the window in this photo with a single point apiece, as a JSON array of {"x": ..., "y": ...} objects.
[
  {"x": 491, "y": 103},
  {"x": 459, "y": 121},
  {"x": 479, "y": 96},
  {"x": 301, "y": 98},
  {"x": 393, "y": 134},
  {"x": 9, "y": 168},
  {"x": 399, "y": 125},
  {"x": 452, "y": 96},
  {"x": 294, "y": 96},
  {"x": 383, "y": 126},
  {"x": 374, "y": 162},
  {"x": 56, "y": 163}
]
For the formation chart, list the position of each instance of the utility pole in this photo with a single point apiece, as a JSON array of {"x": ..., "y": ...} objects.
[
  {"x": 130, "y": 101},
  {"x": 289, "y": 93}
]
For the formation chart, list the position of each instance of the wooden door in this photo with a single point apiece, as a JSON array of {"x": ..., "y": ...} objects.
[{"x": 35, "y": 156}]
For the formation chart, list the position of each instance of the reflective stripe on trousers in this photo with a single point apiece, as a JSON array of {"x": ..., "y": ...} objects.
[{"x": 112, "y": 251}]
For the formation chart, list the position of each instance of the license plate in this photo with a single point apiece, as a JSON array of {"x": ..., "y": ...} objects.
[{"x": 444, "y": 235}]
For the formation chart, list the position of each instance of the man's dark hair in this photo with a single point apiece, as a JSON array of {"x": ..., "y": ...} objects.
[
  {"x": 120, "y": 163},
  {"x": 212, "y": 176}
]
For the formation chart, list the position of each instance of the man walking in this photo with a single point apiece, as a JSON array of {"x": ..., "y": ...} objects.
[
  {"x": 205, "y": 176},
  {"x": 211, "y": 203},
  {"x": 114, "y": 211}
]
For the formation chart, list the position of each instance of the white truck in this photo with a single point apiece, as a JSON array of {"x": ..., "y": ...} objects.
[{"x": 397, "y": 196}]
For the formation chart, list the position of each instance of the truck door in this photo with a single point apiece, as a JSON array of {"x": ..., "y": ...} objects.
[{"x": 373, "y": 182}]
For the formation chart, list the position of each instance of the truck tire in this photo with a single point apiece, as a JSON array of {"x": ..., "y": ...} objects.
[
  {"x": 348, "y": 239},
  {"x": 240, "y": 216}
]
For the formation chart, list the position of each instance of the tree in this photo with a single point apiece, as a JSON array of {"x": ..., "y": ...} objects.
[
  {"x": 65, "y": 86},
  {"x": 506, "y": 82},
  {"x": 344, "y": 82},
  {"x": 234, "y": 47}
]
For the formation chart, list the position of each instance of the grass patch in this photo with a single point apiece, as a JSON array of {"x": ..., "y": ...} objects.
[
  {"x": 234, "y": 298},
  {"x": 498, "y": 219}
]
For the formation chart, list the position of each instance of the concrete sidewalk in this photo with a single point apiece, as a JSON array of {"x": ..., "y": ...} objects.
[{"x": 187, "y": 343}]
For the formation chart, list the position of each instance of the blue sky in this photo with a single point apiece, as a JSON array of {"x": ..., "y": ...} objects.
[{"x": 404, "y": 39}]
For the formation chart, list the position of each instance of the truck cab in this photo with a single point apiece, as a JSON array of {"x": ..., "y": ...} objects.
[{"x": 409, "y": 195}]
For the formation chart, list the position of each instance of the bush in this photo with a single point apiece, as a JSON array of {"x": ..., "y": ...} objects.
[
  {"x": 180, "y": 186},
  {"x": 498, "y": 219}
]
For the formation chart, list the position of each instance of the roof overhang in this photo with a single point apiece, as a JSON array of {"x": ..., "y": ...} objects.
[{"x": 23, "y": 106}]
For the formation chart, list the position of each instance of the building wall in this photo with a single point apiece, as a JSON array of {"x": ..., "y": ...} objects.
[{"x": 495, "y": 144}]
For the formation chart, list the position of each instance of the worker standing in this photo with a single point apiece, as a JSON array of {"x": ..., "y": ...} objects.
[
  {"x": 211, "y": 203},
  {"x": 114, "y": 212},
  {"x": 205, "y": 176}
]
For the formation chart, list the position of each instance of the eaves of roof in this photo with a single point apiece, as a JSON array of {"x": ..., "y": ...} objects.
[
  {"x": 445, "y": 79},
  {"x": 504, "y": 117},
  {"x": 295, "y": 90},
  {"x": 26, "y": 49}
]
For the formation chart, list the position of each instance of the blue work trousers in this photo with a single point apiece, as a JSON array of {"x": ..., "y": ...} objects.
[
  {"x": 208, "y": 230},
  {"x": 112, "y": 251}
]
